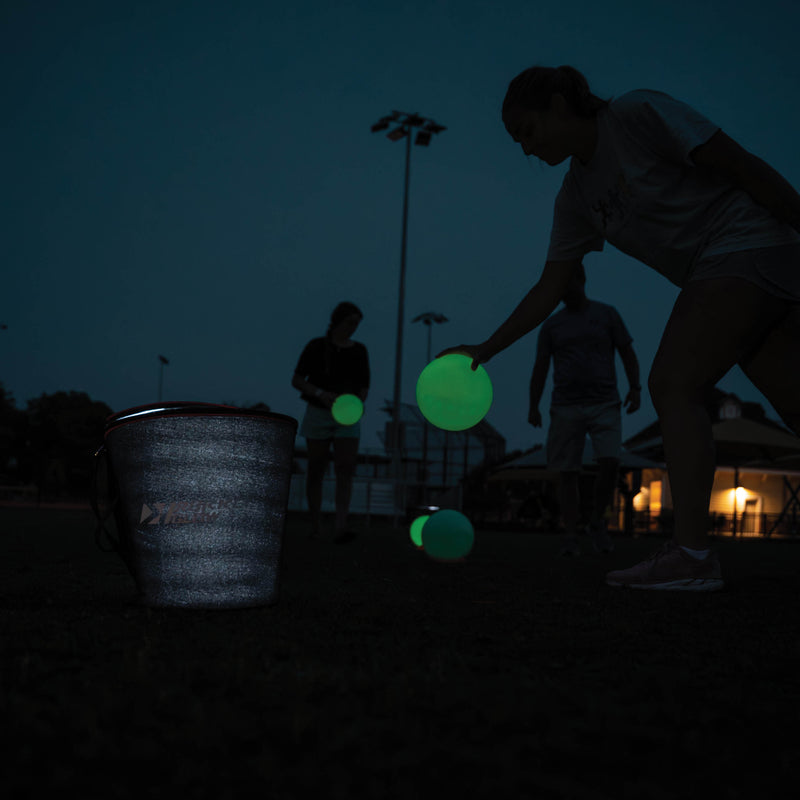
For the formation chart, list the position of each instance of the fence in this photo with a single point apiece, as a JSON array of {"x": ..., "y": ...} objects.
[
  {"x": 750, "y": 526},
  {"x": 382, "y": 497},
  {"x": 516, "y": 517}
]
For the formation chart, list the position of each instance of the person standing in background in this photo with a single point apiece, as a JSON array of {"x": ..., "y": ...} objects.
[
  {"x": 582, "y": 340},
  {"x": 329, "y": 366}
]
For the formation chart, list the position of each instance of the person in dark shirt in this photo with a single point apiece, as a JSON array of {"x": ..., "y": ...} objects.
[
  {"x": 330, "y": 366},
  {"x": 582, "y": 340}
]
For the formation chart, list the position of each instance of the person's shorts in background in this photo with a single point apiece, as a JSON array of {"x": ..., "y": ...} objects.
[
  {"x": 569, "y": 426},
  {"x": 318, "y": 423},
  {"x": 776, "y": 270}
]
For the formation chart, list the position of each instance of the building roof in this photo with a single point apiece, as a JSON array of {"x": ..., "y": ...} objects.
[
  {"x": 532, "y": 464},
  {"x": 743, "y": 435}
]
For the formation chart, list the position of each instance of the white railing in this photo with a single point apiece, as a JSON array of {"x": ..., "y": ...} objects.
[{"x": 371, "y": 496}]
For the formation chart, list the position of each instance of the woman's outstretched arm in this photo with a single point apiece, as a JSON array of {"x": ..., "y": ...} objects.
[{"x": 534, "y": 309}]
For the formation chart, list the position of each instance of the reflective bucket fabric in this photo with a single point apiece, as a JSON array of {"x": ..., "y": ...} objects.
[{"x": 203, "y": 492}]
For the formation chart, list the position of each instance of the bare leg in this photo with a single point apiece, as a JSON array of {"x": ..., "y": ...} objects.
[
  {"x": 714, "y": 324},
  {"x": 317, "y": 463},
  {"x": 775, "y": 369},
  {"x": 691, "y": 464},
  {"x": 345, "y": 453}
]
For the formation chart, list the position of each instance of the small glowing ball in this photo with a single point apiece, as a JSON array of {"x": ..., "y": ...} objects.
[
  {"x": 347, "y": 409},
  {"x": 448, "y": 535},
  {"x": 416, "y": 529},
  {"x": 451, "y": 395}
]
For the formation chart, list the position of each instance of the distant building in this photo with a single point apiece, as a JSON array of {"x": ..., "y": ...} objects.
[
  {"x": 755, "y": 492},
  {"x": 756, "y": 480}
]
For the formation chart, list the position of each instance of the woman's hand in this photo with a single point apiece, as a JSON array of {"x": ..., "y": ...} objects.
[
  {"x": 633, "y": 400},
  {"x": 535, "y": 417},
  {"x": 477, "y": 352},
  {"x": 328, "y": 398}
]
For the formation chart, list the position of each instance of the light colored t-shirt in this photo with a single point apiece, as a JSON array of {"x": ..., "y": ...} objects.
[
  {"x": 642, "y": 193},
  {"x": 582, "y": 345}
]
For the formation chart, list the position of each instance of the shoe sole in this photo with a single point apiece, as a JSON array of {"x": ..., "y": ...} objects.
[{"x": 684, "y": 585}]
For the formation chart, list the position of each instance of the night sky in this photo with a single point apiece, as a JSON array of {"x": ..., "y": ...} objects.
[{"x": 198, "y": 180}]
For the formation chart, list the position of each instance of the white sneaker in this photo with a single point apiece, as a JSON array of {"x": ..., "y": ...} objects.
[{"x": 670, "y": 569}]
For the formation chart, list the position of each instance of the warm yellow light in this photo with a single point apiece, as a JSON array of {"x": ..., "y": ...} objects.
[
  {"x": 738, "y": 499},
  {"x": 641, "y": 500},
  {"x": 655, "y": 497},
  {"x": 741, "y": 494}
]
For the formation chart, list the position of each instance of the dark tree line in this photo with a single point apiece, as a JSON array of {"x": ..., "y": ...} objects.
[
  {"x": 47, "y": 449},
  {"x": 50, "y": 445}
]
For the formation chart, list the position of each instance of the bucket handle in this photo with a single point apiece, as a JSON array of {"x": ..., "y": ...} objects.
[{"x": 104, "y": 538}]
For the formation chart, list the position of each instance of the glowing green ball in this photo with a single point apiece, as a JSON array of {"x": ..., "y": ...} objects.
[
  {"x": 416, "y": 529},
  {"x": 451, "y": 395},
  {"x": 347, "y": 409},
  {"x": 448, "y": 535}
]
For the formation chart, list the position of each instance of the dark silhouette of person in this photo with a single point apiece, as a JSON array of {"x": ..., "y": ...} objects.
[
  {"x": 665, "y": 185},
  {"x": 330, "y": 366},
  {"x": 582, "y": 339}
]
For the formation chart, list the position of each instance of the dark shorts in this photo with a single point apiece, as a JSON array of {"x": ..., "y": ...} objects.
[
  {"x": 318, "y": 423},
  {"x": 569, "y": 426}
]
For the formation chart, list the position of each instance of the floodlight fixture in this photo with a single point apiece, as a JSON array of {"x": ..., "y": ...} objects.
[
  {"x": 430, "y": 316},
  {"x": 414, "y": 120}
]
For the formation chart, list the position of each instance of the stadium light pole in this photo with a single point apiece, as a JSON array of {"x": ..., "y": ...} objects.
[
  {"x": 402, "y": 123},
  {"x": 427, "y": 319},
  {"x": 162, "y": 361}
]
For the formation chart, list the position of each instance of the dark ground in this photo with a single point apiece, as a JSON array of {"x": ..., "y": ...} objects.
[{"x": 381, "y": 674}]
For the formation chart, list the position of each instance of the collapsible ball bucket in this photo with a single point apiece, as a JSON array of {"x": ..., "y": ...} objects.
[{"x": 202, "y": 497}]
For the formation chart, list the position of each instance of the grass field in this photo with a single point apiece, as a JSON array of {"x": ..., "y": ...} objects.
[{"x": 381, "y": 673}]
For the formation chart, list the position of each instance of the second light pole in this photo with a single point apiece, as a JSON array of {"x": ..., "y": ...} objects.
[
  {"x": 428, "y": 318},
  {"x": 401, "y": 124}
]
